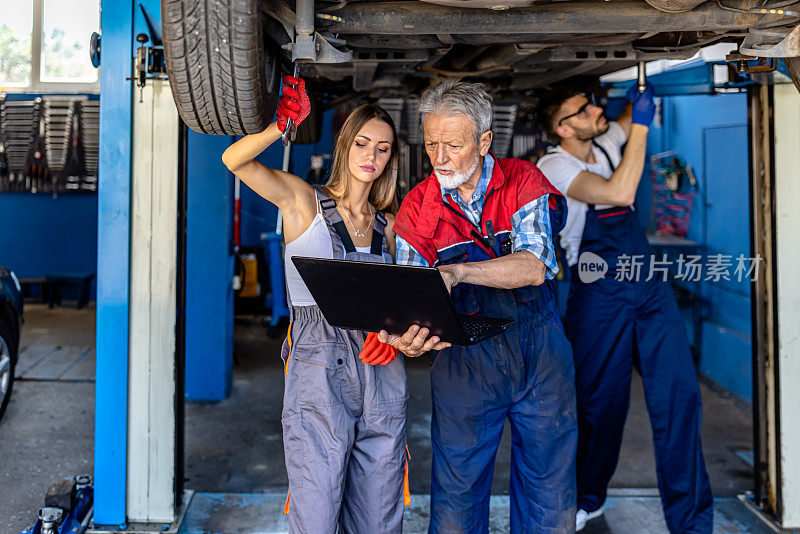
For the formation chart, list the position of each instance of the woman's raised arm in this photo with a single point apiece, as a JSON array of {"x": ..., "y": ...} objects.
[
  {"x": 293, "y": 196},
  {"x": 280, "y": 188}
]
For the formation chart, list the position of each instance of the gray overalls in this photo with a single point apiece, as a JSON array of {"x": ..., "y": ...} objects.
[{"x": 344, "y": 421}]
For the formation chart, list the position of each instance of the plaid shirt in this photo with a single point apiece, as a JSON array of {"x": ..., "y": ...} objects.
[{"x": 530, "y": 225}]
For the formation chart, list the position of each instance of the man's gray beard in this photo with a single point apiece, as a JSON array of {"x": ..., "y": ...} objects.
[{"x": 457, "y": 178}]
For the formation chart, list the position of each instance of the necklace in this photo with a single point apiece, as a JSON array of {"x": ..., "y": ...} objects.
[{"x": 355, "y": 230}]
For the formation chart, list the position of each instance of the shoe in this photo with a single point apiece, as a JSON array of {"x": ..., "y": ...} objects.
[{"x": 582, "y": 517}]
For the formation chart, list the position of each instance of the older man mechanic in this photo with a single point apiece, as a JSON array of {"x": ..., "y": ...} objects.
[
  {"x": 621, "y": 318},
  {"x": 487, "y": 224}
]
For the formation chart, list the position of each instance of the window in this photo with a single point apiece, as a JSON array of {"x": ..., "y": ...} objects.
[
  {"x": 65, "y": 41},
  {"x": 44, "y": 45},
  {"x": 15, "y": 44}
]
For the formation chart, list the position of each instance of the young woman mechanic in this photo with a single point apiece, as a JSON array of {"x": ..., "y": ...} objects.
[{"x": 345, "y": 397}]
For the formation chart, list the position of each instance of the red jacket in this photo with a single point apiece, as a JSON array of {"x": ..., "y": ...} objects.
[{"x": 428, "y": 226}]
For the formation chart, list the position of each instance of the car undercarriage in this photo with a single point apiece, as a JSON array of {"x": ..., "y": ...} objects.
[{"x": 225, "y": 57}]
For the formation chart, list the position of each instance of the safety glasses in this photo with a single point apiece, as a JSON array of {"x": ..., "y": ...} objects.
[{"x": 590, "y": 101}]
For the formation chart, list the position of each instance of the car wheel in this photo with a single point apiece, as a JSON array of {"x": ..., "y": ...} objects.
[
  {"x": 8, "y": 359},
  {"x": 793, "y": 66},
  {"x": 310, "y": 130},
  {"x": 223, "y": 69}
]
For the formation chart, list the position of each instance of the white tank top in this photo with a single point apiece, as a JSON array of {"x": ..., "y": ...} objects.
[{"x": 315, "y": 242}]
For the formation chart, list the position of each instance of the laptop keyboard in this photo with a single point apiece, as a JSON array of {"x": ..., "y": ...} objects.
[{"x": 477, "y": 327}]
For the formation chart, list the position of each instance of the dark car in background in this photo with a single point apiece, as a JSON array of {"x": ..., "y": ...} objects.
[{"x": 10, "y": 326}]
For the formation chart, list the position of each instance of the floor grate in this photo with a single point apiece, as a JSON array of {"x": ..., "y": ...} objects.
[{"x": 63, "y": 363}]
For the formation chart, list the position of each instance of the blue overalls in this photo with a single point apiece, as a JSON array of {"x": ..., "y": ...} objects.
[
  {"x": 344, "y": 421},
  {"x": 526, "y": 375},
  {"x": 614, "y": 325}
]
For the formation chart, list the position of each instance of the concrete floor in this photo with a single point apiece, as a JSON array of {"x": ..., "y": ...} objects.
[
  {"x": 261, "y": 513},
  {"x": 47, "y": 431},
  {"x": 252, "y": 437}
]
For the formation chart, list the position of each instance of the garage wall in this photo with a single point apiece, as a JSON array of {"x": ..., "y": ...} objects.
[
  {"x": 710, "y": 133},
  {"x": 40, "y": 234}
]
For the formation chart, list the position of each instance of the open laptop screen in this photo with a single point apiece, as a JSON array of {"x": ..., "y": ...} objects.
[{"x": 378, "y": 296}]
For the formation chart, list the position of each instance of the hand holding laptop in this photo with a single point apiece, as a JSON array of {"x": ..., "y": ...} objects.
[
  {"x": 414, "y": 342},
  {"x": 412, "y": 321},
  {"x": 451, "y": 276}
]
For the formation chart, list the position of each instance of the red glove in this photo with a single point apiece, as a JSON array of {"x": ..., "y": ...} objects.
[
  {"x": 294, "y": 103},
  {"x": 374, "y": 352}
]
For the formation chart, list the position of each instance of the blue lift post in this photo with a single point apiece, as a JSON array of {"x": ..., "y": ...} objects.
[
  {"x": 113, "y": 263},
  {"x": 209, "y": 273},
  {"x": 209, "y": 293}
]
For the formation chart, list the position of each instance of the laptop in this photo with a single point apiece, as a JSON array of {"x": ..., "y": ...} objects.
[{"x": 380, "y": 296}]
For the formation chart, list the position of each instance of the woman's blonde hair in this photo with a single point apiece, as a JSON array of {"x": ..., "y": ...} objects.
[{"x": 383, "y": 194}]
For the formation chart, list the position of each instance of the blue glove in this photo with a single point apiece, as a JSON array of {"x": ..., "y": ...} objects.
[
  {"x": 644, "y": 108},
  {"x": 633, "y": 90}
]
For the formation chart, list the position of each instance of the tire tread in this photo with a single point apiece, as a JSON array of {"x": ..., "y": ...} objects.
[{"x": 218, "y": 62}]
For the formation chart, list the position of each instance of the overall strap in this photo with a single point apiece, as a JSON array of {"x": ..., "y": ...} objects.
[
  {"x": 475, "y": 234},
  {"x": 334, "y": 219},
  {"x": 605, "y": 153},
  {"x": 378, "y": 234},
  {"x": 608, "y": 159}
]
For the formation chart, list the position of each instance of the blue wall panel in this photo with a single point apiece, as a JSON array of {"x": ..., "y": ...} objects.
[
  {"x": 724, "y": 360},
  {"x": 46, "y": 235},
  {"x": 710, "y": 134},
  {"x": 727, "y": 233},
  {"x": 684, "y": 120},
  {"x": 209, "y": 270}
]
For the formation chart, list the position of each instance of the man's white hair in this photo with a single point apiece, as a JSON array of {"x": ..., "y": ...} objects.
[{"x": 456, "y": 97}]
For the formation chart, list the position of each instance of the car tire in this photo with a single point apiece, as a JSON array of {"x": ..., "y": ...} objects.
[
  {"x": 793, "y": 67},
  {"x": 310, "y": 130},
  {"x": 224, "y": 70},
  {"x": 8, "y": 361}
]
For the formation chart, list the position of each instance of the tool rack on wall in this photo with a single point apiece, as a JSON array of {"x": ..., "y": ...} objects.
[{"x": 49, "y": 144}]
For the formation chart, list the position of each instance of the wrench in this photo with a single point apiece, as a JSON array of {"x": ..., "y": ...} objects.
[
  {"x": 641, "y": 78},
  {"x": 290, "y": 131}
]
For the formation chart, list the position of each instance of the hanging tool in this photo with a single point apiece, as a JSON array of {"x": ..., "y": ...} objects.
[
  {"x": 141, "y": 63},
  {"x": 238, "y": 270},
  {"x": 290, "y": 131},
  {"x": 641, "y": 78},
  {"x": 149, "y": 62},
  {"x": 287, "y": 157}
]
